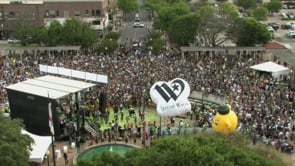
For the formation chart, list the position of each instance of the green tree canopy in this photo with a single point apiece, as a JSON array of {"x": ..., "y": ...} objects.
[
  {"x": 249, "y": 32},
  {"x": 107, "y": 45},
  {"x": 54, "y": 33},
  {"x": 159, "y": 4},
  {"x": 155, "y": 42},
  {"x": 13, "y": 145},
  {"x": 40, "y": 35},
  {"x": 77, "y": 32},
  {"x": 183, "y": 29},
  {"x": 247, "y": 4},
  {"x": 274, "y": 5},
  {"x": 167, "y": 14},
  {"x": 209, "y": 149},
  {"x": 128, "y": 6},
  {"x": 105, "y": 159},
  {"x": 72, "y": 32},
  {"x": 216, "y": 23},
  {"x": 198, "y": 150},
  {"x": 25, "y": 32},
  {"x": 260, "y": 14}
]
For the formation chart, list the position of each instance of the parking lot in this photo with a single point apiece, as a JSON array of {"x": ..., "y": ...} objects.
[{"x": 280, "y": 34}]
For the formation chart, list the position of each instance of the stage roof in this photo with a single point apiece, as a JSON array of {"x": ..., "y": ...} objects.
[
  {"x": 50, "y": 86},
  {"x": 269, "y": 67}
]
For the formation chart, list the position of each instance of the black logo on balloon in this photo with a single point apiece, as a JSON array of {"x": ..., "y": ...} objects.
[{"x": 167, "y": 93}]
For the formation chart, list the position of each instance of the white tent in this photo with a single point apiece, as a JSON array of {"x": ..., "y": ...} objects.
[
  {"x": 39, "y": 147},
  {"x": 276, "y": 70}
]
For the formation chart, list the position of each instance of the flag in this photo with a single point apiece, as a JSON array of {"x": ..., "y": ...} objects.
[{"x": 50, "y": 119}]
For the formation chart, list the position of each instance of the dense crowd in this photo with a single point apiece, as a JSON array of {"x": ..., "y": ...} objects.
[{"x": 265, "y": 107}]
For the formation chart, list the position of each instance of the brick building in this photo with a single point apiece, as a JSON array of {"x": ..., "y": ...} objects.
[{"x": 38, "y": 12}]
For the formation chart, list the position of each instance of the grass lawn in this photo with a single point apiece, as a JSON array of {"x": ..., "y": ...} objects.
[{"x": 150, "y": 116}]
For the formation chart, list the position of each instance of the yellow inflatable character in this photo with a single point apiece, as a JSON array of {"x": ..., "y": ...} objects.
[{"x": 225, "y": 120}]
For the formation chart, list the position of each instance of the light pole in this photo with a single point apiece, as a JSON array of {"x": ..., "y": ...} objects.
[
  {"x": 106, "y": 49},
  {"x": 47, "y": 156},
  {"x": 143, "y": 117},
  {"x": 202, "y": 106}
]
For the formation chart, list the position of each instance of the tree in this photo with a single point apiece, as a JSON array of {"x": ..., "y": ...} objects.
[
  {"x": 25, "y": 31},
  {"x": 159, "y": 4},
  {"x": 78, "y": 32},
  {"x": 127, "y": 6},
  {"x": 274, "y": 5},
  {"x": 260, "y": 13},
  {"x": 13, "y": 145},
  {"x": 105, "y": 159},
  {"x": 198, "y": 150},
  {"x": 155, "y": 43},
  {"x": 167, "y": 14},
  {"x": 247, "y": 4},
  {"x": 183, "y": 29},
  {"x": 40, "y": 35},
  {"x": 113, "y": 35},
  {"x": 107, "y": 45},
  {"x": 216, "y": 23},
  {"x": 54, "y": 32},
  {"x": 207, "y": 149},
  {"x": 249, "y": 32},
  {"x": 88, "y": 36},
  {"x": 72, "y": 31}
]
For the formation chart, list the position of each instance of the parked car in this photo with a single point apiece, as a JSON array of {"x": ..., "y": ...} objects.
[
  {"x": 138, "y": 25},
  {"x": 291, "y": 24},
  {"x": 284, "y": 15},
  {"x": 274, "y": 25},
  {"x": 290, "y": 15},
  {"x": 270, "y": 29},
  {"x": 291, "y": 34},
  {"x": 285, "y": 26},
  {"x": 13, "y": 41}
]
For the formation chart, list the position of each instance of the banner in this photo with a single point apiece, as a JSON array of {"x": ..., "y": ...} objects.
[
  {"x": 171, "y": 97},
  {"x": 50, "y": 119}
]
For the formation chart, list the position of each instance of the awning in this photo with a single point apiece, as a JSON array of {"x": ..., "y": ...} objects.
[{"x": 39, "y": 147}]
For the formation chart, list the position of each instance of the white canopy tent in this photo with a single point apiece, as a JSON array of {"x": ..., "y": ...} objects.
[
  {"x": 276, "y": 70},
  {"x": 39, "y": 147}
]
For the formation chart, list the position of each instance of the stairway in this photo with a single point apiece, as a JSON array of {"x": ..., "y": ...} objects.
[{"x": 90, "y": 130}]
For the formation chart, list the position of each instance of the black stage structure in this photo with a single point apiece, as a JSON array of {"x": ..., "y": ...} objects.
[{"x": 29, "y": 101}]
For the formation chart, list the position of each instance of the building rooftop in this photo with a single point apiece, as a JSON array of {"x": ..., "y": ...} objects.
[
  {"x": 50, "y": 86},
  {"x": 274, "y": 45}
]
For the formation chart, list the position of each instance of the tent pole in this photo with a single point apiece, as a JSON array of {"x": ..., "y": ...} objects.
[{"x": 53, "y": 152}]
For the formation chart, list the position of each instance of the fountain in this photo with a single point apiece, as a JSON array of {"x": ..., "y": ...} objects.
[{"x": 121, "y": 149}]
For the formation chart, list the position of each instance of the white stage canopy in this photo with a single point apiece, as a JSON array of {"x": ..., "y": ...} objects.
[
  {"x": 39, "y": 147},
  {"x": 276, "y": 70},
  {"x": 50, "y": 86}
]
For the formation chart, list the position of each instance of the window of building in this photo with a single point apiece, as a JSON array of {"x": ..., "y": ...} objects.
[
  {"x": 93, "y": 13},
  {"x": 15, "y": 2},
  {"x": 28, "y": 14},
  {"x": 52, "y": 13},
  {"x": 97, "y": 12},
  {"x": 12, "y": 14},
  {"x": 66, "y": 13},
  {"x": 86, "y": 12},
  {"x": 57, "y": 13},
  {"x": 77, "y": 13},
  {"x": 96, "y": 22}
]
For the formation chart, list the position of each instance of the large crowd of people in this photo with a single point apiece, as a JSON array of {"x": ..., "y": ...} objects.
[{"x": 264, "y": 106}]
